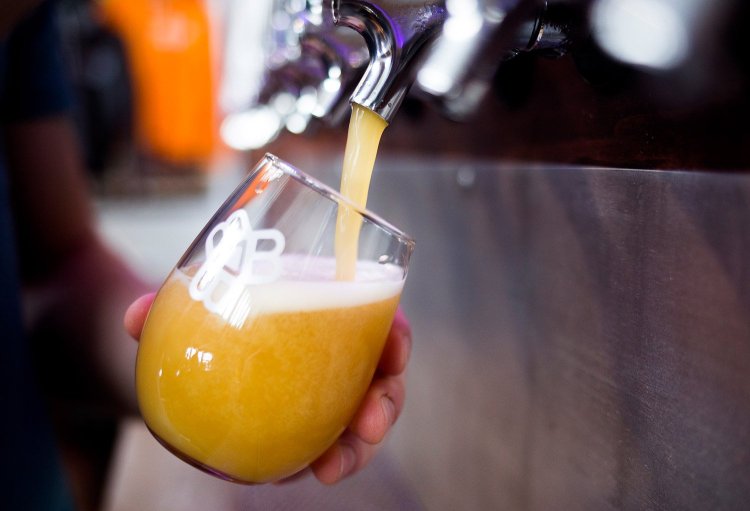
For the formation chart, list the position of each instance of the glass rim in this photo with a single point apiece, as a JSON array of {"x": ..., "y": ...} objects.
[{"x": 334, "y": 195}]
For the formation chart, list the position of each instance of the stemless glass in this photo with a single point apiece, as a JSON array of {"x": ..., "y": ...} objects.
[{"x": 254, "y": 357}]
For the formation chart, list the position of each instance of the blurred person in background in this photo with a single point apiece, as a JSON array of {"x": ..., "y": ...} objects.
[
  {"x": 64, "y": 348},
  {"x": 76, "y": 289}
]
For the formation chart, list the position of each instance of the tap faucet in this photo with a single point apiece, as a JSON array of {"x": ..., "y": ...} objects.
[{"x": 398, "y": 34}]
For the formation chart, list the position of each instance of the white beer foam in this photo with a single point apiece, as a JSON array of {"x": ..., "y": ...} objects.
[
  {"x": 299, "y": 296},
  {"x": 308, "y": 284}
]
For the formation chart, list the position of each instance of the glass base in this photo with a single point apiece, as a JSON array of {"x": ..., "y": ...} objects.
[{"x": 197, "y": 464}]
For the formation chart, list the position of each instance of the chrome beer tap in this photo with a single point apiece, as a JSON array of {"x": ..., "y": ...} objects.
[
  {"x": 316, "y": 65},
  {"x": 477, "y": 36},
  {"x": 398, "y": 34}
]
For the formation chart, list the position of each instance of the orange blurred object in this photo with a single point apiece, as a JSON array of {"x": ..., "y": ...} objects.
[{"x": 168, "y": 44}]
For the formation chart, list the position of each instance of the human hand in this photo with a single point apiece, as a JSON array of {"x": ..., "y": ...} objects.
[{"x": 376, "y": 415}]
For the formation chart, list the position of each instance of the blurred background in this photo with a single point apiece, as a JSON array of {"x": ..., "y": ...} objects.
[{"x": 575, "y": 174}]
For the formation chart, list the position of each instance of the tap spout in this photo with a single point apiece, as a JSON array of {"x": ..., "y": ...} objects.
[{"x": 397, "y": 34}]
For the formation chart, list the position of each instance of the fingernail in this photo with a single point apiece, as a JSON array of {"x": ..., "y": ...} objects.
[
  {"x": 348, "y": 459},
  {"x": 389, "y": 409}
]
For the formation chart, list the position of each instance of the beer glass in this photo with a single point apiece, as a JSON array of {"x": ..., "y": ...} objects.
[{"x": 254, "y": 357}]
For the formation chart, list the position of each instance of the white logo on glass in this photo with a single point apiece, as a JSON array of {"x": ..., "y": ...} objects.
[{"x": 234, "y": 261}]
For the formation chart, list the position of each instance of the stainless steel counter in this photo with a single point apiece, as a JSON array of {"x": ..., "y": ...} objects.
[{"x": 582, "y": 336}]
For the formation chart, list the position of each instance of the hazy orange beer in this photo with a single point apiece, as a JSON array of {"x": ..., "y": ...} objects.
[{"x": 254, "y": 357}]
